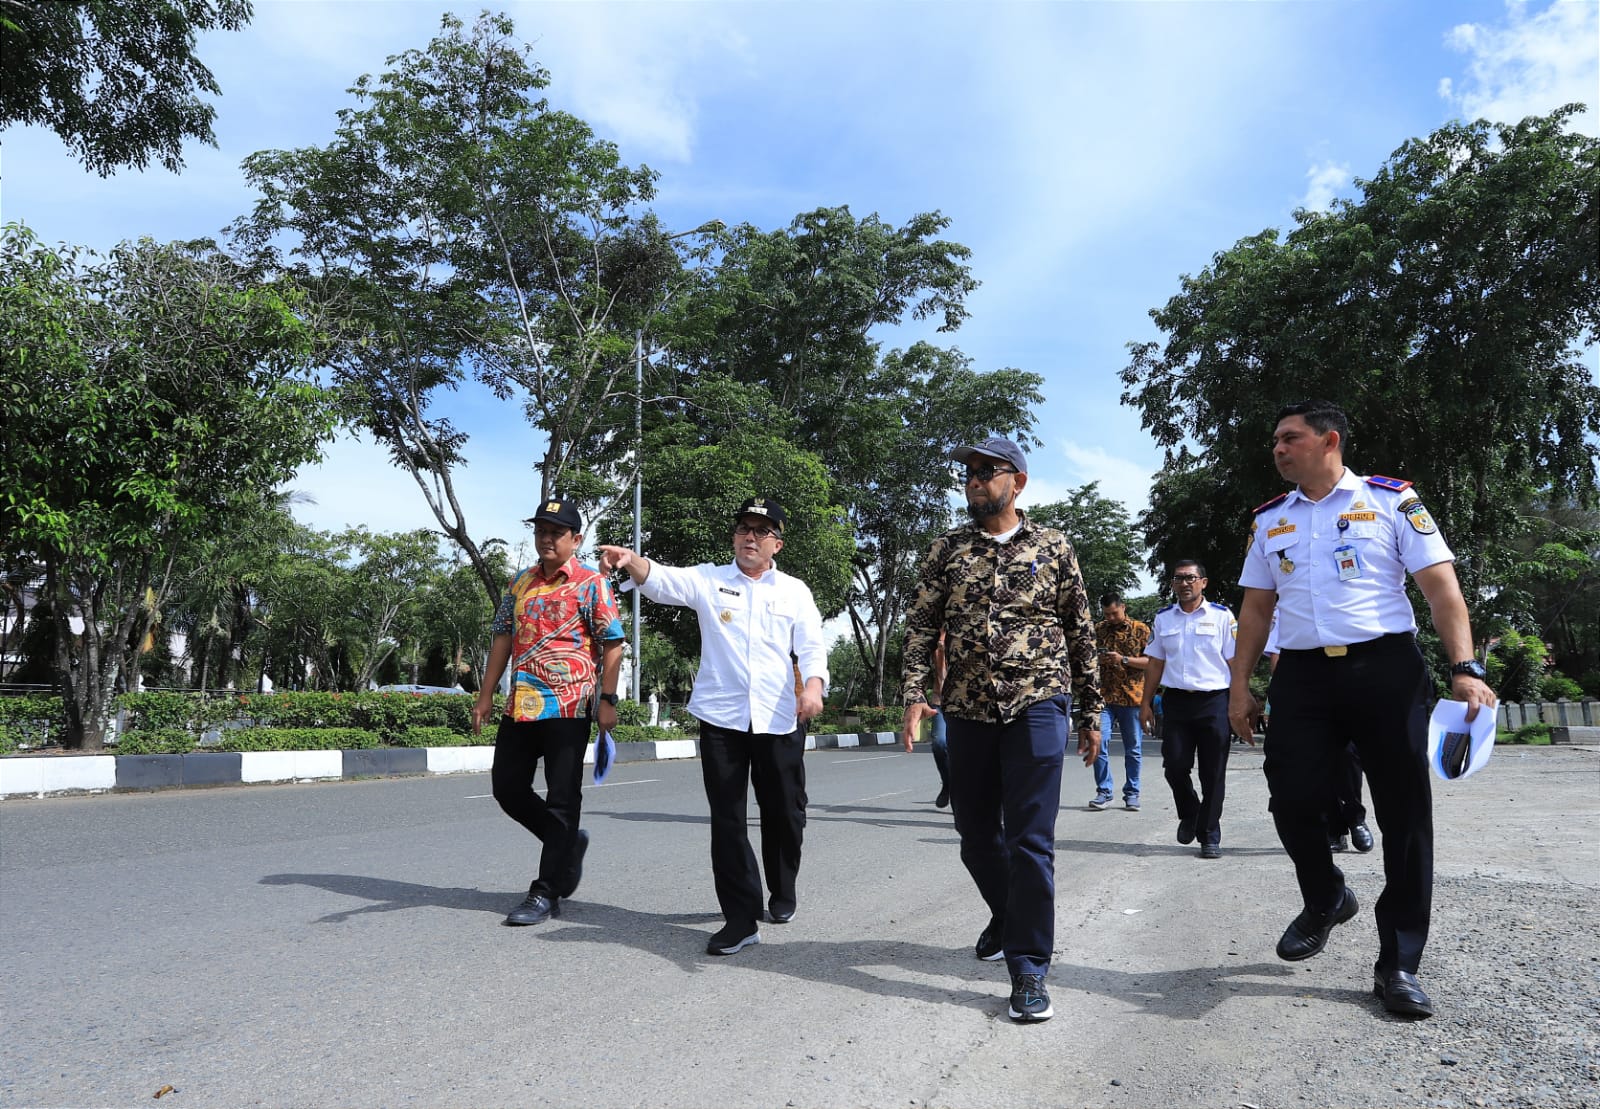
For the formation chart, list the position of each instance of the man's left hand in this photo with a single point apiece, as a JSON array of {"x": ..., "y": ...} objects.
[
  {"x": 808, "y": 705},
  {"x": 1474, "y": 692},
  {"x": 606, "y": 716},
  {"x": 1089, "y": 745}
]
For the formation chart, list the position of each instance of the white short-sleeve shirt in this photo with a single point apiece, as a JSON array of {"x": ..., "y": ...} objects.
[
  {"x": 1194, "y": 647},
  {"x": 749, "y": 629},
  {"x": 1338, "y": 565}
]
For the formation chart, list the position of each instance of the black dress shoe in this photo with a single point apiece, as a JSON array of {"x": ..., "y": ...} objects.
[
  {"x": 1337, "y": 843},
  {"x": 780, "y": 914},
  {"x": 1307, "y": 934},
  {"x": 1361, "y": 838},
  {"x": 1211, "y": 851},
  {"x": 1186, "y": 829},
  {"x": 574, "y": 874},
  {"x": 1401, "y": 993},
  {"x": 943, "y": 799},
  {"x": 536, "y": 908}
]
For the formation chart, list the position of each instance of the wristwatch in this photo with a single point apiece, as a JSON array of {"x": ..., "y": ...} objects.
[
  {"x": 1472, "y": 668},
  {"x": 610, "y": 699}
]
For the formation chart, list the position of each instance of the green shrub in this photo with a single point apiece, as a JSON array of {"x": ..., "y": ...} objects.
[
  {"x": 632, "y": 712},
  {"x": 1536, "y": 734},
  {"x": 155, "y": 741},
  {"x": 433, "y": 735},
  {"x": 296, "y": 739},
  {"x": 878, "y": 718},
  {"x": 37, "y": 719},
  {"x": 1556, "y": 686},
  {"x": 644, "y": 733},
  {"x": 8, "y": 740},
  {"x": 300, "y": 710}
]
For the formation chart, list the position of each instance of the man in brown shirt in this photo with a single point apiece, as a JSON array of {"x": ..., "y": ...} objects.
[
  {"x": 1009, "y": 598},
  {"x": 1122, "y": 641}
]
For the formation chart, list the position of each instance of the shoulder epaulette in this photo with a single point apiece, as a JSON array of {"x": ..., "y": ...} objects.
[
  {"x": 1260, "y": 508},
  {"x": 1165, "y": 608},
  {"x": 1219, "y": 604},
  {"x": 1393, "y": 484}
]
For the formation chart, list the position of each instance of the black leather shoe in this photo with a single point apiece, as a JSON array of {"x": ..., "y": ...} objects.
[
  {"x": 1307, "y": 934},
  {"x": 1211, "y": 851},
  {"x": 536, "y": 908},
  {"x": 1337, "y": 843},
  {"x": 1186, "y": 829},
  {"x": 574, "y": 875},
  {"x": 780, "y": 914},
  {"x": 1401, "y": 993},
  {"x": 943, "y": 799},
  {"x": 1361, "y": 838}
]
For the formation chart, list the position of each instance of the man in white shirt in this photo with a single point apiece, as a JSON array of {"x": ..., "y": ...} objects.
[
  {"x": 1191, "y": 643},
  {"x": 757, "y": 626}
]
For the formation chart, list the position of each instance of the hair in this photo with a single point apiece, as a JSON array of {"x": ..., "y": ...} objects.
[
  {"x": 1199, "y": 567},
  {"x": 1112, "y": 598},
  {"x": 1323, "y": 416}
]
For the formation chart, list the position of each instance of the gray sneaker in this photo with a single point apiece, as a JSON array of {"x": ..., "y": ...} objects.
[
  {"x": 1101, "y": 802},
  {"x": 1131, "y": 803}
]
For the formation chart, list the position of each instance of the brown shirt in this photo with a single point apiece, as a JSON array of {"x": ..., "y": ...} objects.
[
  {"x": 1121, "y": 683},
  {"x": 1017, "y": 625}
]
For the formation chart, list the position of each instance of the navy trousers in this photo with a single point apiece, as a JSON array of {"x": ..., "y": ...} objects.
[
  {"x": 1197, "y": 726},
  {"x": 1005, "y": 791}
]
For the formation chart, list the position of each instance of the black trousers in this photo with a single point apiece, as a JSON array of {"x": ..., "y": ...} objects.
[
  {"x": 1345, "y": 809},
  {"x": 518, "y": 747},
  {"x": 1196, "y": 725},
  {"x": 1377, "y": 697},
  {"x": 1005, "y": 792},
  {"x": 731, "y": 763}
]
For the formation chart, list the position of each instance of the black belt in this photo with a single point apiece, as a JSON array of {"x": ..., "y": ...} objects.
[
  {"x": 1393, "y": 639},
  {"x": 1192, "y": 692}
]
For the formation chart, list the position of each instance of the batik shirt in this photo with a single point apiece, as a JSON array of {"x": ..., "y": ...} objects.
[
  {"x": 1120, "y": 683},
  {"x": 1017, "y": 624},
  {"x": 557, "y": 626}
]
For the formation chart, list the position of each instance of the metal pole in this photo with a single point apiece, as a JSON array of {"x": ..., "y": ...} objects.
[{"x": 638, "y": 484}]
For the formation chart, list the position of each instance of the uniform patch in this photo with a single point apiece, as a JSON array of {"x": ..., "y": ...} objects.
[
  {"x": 1394, "y": 484},
  {"x": 1260, "y": 508},
  {"x": 1364, "y": 517},
  {"x": 1417, "y": 516},
  {"x": 1282, "y": 529},
  {"x": 726, "y": 616}
]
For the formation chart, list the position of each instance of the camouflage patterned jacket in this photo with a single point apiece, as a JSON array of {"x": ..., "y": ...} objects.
[{"x": 1017, "y": 622}]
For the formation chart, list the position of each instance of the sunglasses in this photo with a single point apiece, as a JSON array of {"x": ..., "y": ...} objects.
[
  {"x": 759, "y": 533},
  {"x": 986, "y": 473}
]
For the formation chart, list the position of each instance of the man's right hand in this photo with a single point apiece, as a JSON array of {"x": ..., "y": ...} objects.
[
  {"x": 482, "y": 710},
  {"x": 916, "y": 713},
  {"x": 1244, "y": 712},
  {"x": 1147, "y": 718},
  {"x": 615, "y": 558}
]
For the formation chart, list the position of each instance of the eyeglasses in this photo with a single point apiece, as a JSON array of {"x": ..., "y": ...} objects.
[
  {"x": 1185, "y": 577},
  {"x": 759, "y": 533},
  {"x": 986, "y": 473}
]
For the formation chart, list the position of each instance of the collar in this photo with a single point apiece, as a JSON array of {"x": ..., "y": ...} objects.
[
  {"x": 1347, "y": 480},
  {"x": 977, "y": 528},
  {"x": 569, "y": 570},
  {"x": 732, "y": 572}
]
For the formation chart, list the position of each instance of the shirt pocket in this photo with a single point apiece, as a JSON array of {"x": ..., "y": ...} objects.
[
  {"x": 778, "y": 617},
  {"x": 1363, "y": 530}
]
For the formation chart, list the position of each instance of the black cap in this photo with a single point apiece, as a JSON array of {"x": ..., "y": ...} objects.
[
  {"x": 1003, "y": 449},
  {"x": 761, "y": 506},
  {"x": 558, "y": 511}
]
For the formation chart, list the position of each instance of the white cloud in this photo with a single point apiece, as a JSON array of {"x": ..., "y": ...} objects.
[
  {"x": 1120, "y": 479},
  {"x": 1325, "y": 179},
  {"x": 1529, "y": 65}
]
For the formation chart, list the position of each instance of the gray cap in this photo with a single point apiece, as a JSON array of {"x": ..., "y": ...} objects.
[{"x": 1003, "y": 449}]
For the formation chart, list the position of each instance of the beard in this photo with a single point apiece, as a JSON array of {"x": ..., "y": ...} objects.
[{"x": 988, "y": 508}]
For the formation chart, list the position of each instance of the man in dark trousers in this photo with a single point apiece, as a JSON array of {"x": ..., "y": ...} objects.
[
  {"x": 1332, "y": 554},
  {"x": 1009, "y": 598}
]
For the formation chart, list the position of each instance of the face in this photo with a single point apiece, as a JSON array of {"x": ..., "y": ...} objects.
[
  {"x": 1298, "y": 450},
  {"x": 1188, "y": 584},
  {"x": 554, "y": 543},
  {"x": 755, "y": 543},
  {"x": 992, "y": 485},
  {"x": 1116, "y": 612}
]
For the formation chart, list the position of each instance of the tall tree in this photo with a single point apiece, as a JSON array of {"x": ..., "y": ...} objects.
[
  {"x": 118, "y": 80},
  {"x": 1445, "y": 309},
  {"x": 469, "y": 232},
  {"x": 1103, "y": 537},
  {"x": 146, "y": 393}
]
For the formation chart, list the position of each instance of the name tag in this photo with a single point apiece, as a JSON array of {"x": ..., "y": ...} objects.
[
  {"x": 1365, "y": 517},
  {"x": 1206, "y": 628},
  {"x": 729, "y": 592},
  {"x": 1273, "y": 533}
]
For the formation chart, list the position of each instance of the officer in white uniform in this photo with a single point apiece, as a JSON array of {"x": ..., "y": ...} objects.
[
  {"x": 1191, "y": 643},
  {"x": 1332, "y": 554}
]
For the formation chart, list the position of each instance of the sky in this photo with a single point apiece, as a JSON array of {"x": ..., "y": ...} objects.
[{"x": 1090, "y": 154}]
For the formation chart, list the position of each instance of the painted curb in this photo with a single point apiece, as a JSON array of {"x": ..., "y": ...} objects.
[{"x": 41, "y": 776}]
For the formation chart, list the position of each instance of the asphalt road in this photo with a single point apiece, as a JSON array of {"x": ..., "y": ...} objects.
[{"x": 341, "y": 944}]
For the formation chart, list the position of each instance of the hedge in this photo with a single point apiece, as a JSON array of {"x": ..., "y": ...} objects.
[
  {"x": 155, "y": 741},
  {"x": 296, "y": 739},
  {"x": 37, "y": 719}
]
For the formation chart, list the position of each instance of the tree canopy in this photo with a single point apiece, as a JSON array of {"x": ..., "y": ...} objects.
[
  {"x": 118, "y": 80},
  {"x": 1103, "y": 537}
]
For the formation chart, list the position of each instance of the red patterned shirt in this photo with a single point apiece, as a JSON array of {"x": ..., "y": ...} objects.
[{"x": 557, "y": 625}]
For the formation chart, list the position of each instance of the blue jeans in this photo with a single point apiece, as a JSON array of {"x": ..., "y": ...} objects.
[
  {"x": 1005, "y": 791},
  {"x": 1127, "y": 718},
  {"x": 941, "y": 750}
]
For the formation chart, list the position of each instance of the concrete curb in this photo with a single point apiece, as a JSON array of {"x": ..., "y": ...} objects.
[{"x": 45, "y": 775}]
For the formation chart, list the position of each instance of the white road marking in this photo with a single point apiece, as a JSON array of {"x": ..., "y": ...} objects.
[{"x": 869, "y": 758}]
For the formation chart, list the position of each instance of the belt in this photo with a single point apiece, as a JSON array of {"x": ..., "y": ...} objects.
[
  {"x": 1340, "y": 650},
  {"x": 1193, "y": 692}
]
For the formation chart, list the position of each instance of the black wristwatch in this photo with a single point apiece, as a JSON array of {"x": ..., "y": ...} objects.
[
  {"x": 610, "y": 699},
  {"x": 1472, "y": 668}
]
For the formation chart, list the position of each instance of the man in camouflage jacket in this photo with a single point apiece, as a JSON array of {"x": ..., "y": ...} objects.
[{"x": 1018, "y": 628}]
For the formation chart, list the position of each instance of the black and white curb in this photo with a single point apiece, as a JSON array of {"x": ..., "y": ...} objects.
[{"x": 42, "y": 775}]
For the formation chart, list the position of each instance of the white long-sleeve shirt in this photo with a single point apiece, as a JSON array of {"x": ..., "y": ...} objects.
[{"x": 753, "y": 631}]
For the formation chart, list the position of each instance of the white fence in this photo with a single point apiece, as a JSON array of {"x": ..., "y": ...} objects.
[{"x": 1562, "y": 714}]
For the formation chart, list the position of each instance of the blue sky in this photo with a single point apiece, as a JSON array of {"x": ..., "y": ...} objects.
[{"x": 1088, "y": 153}]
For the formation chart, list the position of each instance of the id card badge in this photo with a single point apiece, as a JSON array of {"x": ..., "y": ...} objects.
[{"x": 1348, "y": 562}]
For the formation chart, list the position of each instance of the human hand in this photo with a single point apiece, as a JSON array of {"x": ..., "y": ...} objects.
[
  {"x": 808, "y": 705},
  {"x": 1244, "y": 711},
  {"x": 916, "y": 713},
  {"x": 606, "y": 715},
  {"x": 482, "y": 710},
  {"x": 614, "y": 558},
  {"x": 1147, "y": 718},
  {"x": 1089, "y": 744},
  {"x": 1474, "y": 692}
]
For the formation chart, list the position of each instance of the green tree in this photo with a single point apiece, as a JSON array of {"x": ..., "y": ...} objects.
[
  {"x": 117, "y": 80},
  {"x": 148, "y": 394},
  {"x": 1444, "y": 310},
  {"x": 467, "y": 231},
  {"x": 1104, "y": 538}
]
